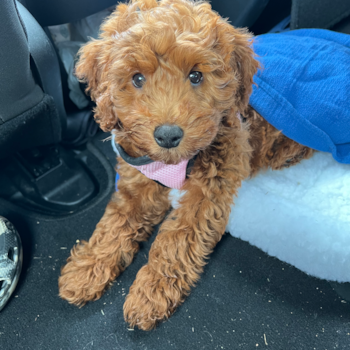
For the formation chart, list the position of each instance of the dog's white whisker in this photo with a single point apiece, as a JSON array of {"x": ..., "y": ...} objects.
[{"x": 109, "y": 138}]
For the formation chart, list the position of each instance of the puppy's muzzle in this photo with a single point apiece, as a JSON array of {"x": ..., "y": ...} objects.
[{"x": 168, "y": 136}]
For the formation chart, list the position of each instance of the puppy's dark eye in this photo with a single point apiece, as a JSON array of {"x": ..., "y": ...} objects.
[
  {"x": 138, "y": 80},
  {"x": 195, "y": 78}
]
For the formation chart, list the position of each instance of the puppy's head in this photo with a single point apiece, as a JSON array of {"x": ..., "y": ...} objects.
[{"x": 166, "y": 74}]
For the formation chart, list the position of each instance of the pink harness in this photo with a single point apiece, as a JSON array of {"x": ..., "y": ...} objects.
[
  {"x": 169, "y": 175},
  {"x": 172, "y": 176}
]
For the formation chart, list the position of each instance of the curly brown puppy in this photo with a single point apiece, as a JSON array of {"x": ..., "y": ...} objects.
[{"x": 174, "y": 63}]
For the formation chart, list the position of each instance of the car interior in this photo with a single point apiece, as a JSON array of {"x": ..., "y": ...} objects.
[{"x": 57, "y": 175}]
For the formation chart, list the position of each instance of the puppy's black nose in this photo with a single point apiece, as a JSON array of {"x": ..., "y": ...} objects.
[{"x": 168, "y": 136}]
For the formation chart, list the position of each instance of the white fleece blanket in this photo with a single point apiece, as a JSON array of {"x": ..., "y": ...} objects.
[{"x": 300, "y": 215}]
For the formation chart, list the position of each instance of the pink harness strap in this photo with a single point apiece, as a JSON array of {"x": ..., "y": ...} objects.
[{"x": 172, "y": 176}]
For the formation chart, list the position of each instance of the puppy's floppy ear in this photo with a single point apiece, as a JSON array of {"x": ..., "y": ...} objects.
[
  {"x": 91, "y": 68},
  {"x": 235, "y": 45}
]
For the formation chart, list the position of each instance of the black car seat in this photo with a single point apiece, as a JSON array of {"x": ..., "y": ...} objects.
[
  {"x": 35, "y": 170},
  {"x": 319, "y": 13},
  {"x": 262, "y": 15},
  {"x": 28, "y": 116}
]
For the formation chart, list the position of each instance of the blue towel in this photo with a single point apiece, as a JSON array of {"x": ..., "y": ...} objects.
[{"x": 303, "y": 88}]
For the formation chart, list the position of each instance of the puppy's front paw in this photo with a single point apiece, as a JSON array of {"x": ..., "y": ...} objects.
[
  {"x": 152, "y": 299},
  {"x": 83, "y": 278}
]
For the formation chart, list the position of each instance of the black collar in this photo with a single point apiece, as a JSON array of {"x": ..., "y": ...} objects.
[{"x": 132, "y": 160}]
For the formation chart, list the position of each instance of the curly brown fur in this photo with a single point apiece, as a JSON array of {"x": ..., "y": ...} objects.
[
  {"x": 126, "y": 222},
  {"x": 165, "y": 41}
]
